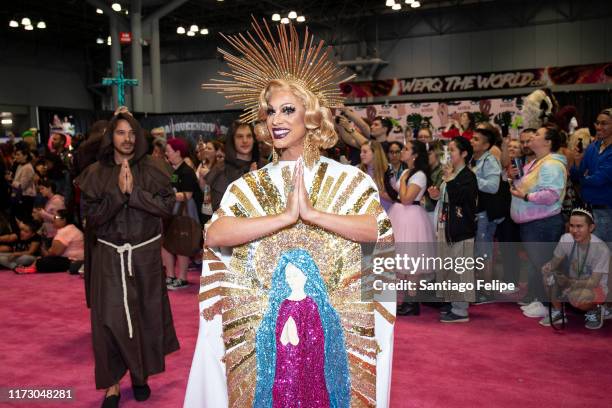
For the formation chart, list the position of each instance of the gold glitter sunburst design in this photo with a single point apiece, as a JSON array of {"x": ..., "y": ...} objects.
[
  {"x": 264, "y": 58},
  {"x": 337, "y": 258}
]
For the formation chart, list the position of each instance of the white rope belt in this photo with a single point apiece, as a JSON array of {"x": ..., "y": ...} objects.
[{"x": 120, "y": 250}]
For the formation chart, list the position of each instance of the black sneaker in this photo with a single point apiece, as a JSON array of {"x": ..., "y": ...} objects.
[
  {"x": 178, "y": 284},
  {"x": 445, "y": 308},
  {"x": 593, "y": 319},
  {"x": 409, "y": 309},
  {"x": 111, "y": 401},
  {"x": 450, "y": 317},
  {"x": 170, "y": 280},
  {"x": 141, "y": 392}
]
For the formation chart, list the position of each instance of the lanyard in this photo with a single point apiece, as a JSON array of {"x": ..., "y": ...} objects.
[{"x": 580, "y": 267}]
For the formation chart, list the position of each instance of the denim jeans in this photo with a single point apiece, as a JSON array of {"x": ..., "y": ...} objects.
[
  {"x": 540, "y": 238},
  {"x": 603, "y": 225},
  {"x": 11, "y": 263},
  {"x": 485, "y": 231}
]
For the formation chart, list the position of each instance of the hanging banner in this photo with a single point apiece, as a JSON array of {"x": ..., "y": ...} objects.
[
  {"x": 192, "y": 126},
  {"x": 528, "y": 78},
  {"x": 437, "y": 115}
]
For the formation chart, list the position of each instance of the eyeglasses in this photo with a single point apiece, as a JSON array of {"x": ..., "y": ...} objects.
[
  {"x": 58, "y": 217},
  {"x": 602, "y": 123}
]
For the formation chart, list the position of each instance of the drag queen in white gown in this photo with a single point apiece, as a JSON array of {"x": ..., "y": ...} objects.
[{"x": 286, "y": 316}]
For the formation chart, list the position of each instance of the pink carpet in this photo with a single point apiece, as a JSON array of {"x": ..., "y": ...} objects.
[{"x": 499, "y": 359}]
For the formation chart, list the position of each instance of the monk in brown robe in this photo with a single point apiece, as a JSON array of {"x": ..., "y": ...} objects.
[{"x": 126, "y": 194}]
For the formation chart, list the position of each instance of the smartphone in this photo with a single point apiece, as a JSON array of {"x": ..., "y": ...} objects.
[{"x": 516, "y": 163}]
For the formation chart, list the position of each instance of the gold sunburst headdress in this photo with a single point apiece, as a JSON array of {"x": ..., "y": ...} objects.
[{"x": 265, "y": 58}]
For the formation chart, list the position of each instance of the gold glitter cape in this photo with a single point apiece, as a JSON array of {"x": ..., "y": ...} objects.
[{"x": 235, "y": 287}]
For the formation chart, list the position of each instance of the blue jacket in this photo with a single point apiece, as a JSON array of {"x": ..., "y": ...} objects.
[{"x": 595, "y": 175}]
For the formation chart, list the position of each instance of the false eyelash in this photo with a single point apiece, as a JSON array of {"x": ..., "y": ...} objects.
[
  {"x": 270, "y": 112},
  {"x": 288, "y": 110}
]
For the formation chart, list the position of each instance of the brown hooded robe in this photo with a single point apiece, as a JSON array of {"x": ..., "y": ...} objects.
[{"x": 127, "y": 219}]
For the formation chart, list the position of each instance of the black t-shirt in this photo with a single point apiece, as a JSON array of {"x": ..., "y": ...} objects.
[
  {"x": 23, "y": 245},
  {"x": 184, "y": 179}
]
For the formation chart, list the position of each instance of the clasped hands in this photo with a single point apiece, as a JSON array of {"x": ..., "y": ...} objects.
[
  {"x": 298, "y": 203},
  {"x": 126, "y": 180}
]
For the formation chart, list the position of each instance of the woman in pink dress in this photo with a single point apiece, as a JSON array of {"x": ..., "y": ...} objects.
[{"x": 412, "y": 227}]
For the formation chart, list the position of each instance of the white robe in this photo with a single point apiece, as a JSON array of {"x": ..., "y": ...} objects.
[{"x": 335, "y": 188}]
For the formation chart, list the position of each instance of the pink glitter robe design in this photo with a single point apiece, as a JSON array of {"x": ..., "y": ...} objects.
[{"x": 299, "y": 380}]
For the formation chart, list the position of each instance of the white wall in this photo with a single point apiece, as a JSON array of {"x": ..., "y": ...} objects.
[
  {"x": 30, "y": 78},
  {"x": 181, "y": 87},
  {"x": 33, "y": 78},
  {"x": 581, "y": 42}
]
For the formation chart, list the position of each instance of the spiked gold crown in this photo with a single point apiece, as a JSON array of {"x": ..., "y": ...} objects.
[{"x": 264, "y": 58}]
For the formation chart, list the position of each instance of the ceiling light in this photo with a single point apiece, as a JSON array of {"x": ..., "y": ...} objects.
[
  {"x": 7, "y": 121},
  {"x": 126, "y": 12},
  {"x": 29, "y": 27},
  {"x": 292, "y": 15},
  {"x": 204, "y": 31},
  {"x": 284, "y": 20},
  {"x": 116, "y": 6},
  {"x": 409, "y": 1},
  {"x": 99, "y": 11},
  {"x": 109, "y": 41},
  {"x": 180, "y": 30},
  {"x": 276, "y": 17},
  {"x": 194, "y": 28},
  {"x": 26, "y": 21},
  {"x": 99, "y": 41},
  {"x": 415, "y": 4},
  {"x": 396, "y": 6},
  {"x": 13, "y": 24},
  {"x": 390, "y": 3},
  {"x": 41, "y": 24},
  {"x": 191, "y": 34},
  {"x": 301, "y": 19}
]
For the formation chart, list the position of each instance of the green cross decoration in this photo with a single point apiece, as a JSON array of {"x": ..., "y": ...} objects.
[{"x": 121, "y": 82}]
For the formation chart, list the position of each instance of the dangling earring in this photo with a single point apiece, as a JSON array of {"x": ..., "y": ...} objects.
[
  {"x": 274, "y": 155},
  {"x": 311, "y": 151}
]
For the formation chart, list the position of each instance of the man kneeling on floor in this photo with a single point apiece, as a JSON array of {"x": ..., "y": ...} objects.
[{"x": 582, "y": 280}]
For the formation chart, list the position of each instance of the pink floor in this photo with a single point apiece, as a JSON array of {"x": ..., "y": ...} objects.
[{"x": 499, "y": 359}]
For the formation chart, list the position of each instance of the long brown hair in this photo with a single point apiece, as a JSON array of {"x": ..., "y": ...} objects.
[{"x": 379, "y": 165}]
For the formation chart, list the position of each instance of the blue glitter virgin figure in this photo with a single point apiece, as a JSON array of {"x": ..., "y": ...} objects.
[{"x": 301, "y": 355}]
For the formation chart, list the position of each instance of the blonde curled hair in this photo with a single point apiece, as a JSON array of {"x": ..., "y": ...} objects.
[{"x": 317, "y": 118}]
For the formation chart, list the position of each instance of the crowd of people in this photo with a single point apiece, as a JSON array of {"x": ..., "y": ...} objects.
[
  {"x": 470, "y": 187},
  {"x": 486, "y": 193}
]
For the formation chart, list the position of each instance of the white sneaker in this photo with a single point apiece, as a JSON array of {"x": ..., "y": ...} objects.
[
  {"x": 530, "y": 305},
  {"x": 535, "y": 305},
  {"x": 538, "y": 310}
]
